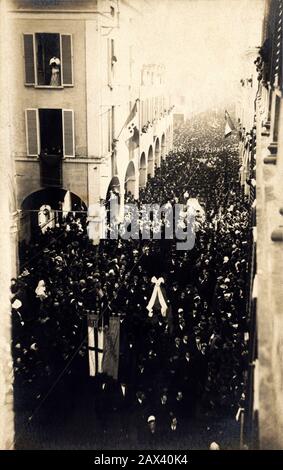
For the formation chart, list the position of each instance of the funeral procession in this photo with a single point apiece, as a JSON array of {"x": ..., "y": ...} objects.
[{"x": 141, "y": 206}]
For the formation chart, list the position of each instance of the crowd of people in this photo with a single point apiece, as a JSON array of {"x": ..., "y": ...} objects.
[{"x": 175, "y": 368}]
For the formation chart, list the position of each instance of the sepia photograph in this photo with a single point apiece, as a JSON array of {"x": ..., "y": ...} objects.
[{"x": 141, "y": 231}]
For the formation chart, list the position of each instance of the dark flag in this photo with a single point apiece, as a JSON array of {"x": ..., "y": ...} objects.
[
  {"x": 130, "y": 132},
  {"x": 110, "y": 364},
  {"x": 229, "y": 126}
]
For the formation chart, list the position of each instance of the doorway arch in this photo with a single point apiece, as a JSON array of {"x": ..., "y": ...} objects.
[
  {"x": 53, "y": 199},
  {"x": 142, "y": 171},
  {"x": 150, "y": 162},
  {"x": 163, "y": 146},
  {"x": 130, "y": 180},
  {"x": 157, "y": 153}
]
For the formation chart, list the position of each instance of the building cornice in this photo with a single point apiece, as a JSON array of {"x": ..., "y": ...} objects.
[{"x": 65, "y": 160}]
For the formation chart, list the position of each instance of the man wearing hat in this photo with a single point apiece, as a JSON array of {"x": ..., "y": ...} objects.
[{"x": 152, "y": 433}]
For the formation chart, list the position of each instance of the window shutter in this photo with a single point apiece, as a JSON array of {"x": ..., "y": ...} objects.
[
  {"x": 68, "y": 132},
  {"x": 29, "y": 59},
  {"x": 32, "y": 132},
  {"x": 67, "y": 59}
]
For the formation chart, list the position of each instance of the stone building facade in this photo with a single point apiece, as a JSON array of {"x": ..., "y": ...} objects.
[
  {"x": 261, "y": 154},
  {"x": 68, "y": 117}
]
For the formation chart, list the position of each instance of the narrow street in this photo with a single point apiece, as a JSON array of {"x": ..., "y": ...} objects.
[{"x": 81, "y": 412}]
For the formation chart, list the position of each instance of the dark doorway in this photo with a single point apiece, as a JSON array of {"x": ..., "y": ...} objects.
[{"x": 51, "y": 139}]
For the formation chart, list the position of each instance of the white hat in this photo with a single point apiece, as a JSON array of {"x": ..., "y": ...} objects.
[
  {"x": 150, "y": 418},
  {"x": 54, "y": 60},
  {"x": 16, "y": 304},
  {"x": 214, "y": 446}
]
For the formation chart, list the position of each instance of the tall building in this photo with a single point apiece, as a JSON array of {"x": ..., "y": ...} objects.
[
  {"x": 8, "y": 242},
  {"x": 80, "y": 76},
  {"x": 261, "y": 126}
]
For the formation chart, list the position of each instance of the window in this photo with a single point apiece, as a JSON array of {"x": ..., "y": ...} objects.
[
  {"x": 48, "y": 59},
  {"x": 112, "y": 59},
  {"x": 47, "y": 49},
  {"x": 50, "y": 132}
]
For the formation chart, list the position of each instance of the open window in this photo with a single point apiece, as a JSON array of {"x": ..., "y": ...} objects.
[
  {"x": 48, "y": 59},
  {"x": 51, "y": 135},
  {"x": 50, "y": 132}
]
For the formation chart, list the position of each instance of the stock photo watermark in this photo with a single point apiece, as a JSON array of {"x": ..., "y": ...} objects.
[{"x": 146, "y": 222}]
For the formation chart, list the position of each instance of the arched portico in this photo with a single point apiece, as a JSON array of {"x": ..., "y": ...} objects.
[
  {"x": 47, "y": 204},
  {"x": 157, "y": 153},
  {"x": 130, "y": 180},
  {"x": 114, "y": 195},
  {"x": 114, "y": 188},
  {"x": 150, "y": 162},
  {"x": 163, "y": 146},
  {"x": 142, "y": 171}
]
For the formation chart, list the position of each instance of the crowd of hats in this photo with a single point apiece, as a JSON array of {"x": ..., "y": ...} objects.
[{"x": 192, "y": 361}]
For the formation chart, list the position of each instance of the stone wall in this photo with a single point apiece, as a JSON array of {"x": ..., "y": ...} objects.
[{"x": 270, "y": 290}]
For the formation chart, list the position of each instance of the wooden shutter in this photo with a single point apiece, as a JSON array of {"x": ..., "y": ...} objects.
[
  {"x": 32, "y": 132},
  {"x": 67, "y": 59},
  {"x": 29, "y": 59},
  {"x": 68, "y": 132}
]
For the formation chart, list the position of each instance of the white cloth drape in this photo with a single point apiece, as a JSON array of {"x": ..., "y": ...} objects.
[{"x": 157, "y": 293}]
